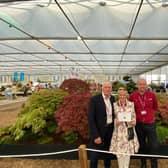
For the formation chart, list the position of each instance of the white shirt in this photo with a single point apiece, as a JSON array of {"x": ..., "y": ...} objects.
[{"x": 108, "y": 109}]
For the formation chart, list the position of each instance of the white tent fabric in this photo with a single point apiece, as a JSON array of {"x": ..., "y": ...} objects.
[{"x": 97, "y": 37}]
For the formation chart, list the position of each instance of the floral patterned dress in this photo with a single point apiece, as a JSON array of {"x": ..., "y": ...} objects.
[{"x": 119, "y": 142}]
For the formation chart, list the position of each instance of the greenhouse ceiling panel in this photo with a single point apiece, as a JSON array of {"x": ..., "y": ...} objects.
[{"x": 97, "y": 37}]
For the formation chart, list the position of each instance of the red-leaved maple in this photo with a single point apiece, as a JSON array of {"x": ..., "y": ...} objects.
[
  {"x": 163, "y": 112},
  {"x": 75, "y": 86},
  {"x": 72, "y": 114}
]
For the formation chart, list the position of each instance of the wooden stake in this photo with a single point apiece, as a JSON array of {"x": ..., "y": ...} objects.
[{"x": 83, "y": 156}]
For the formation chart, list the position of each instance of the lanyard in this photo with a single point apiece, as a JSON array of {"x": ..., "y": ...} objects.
[
  {"x": 142, "y": 101},
  {"x": 122, "y": 105}
]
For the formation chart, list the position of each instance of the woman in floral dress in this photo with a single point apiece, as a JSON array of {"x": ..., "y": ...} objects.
[{"x": 124, "y": 118}]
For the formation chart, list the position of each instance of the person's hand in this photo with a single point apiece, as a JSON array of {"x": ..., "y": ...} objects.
[
  {"x": 132, "y": 122},
  {"x": 98, "y": 140},
  {"x": 117, "y": 122}
]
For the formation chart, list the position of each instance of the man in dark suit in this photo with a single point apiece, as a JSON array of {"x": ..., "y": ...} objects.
[{"x": 101, "y": 124}]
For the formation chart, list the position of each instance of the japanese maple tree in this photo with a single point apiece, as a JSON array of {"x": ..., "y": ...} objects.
[{"x": 72, "y": 115}]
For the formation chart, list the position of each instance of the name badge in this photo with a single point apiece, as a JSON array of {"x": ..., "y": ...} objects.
[{"x": 143, "y": 112}]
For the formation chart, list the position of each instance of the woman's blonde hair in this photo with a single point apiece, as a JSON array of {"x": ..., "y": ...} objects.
[{"x": 122, "y": 89}]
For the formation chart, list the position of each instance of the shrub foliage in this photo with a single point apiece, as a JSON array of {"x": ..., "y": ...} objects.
[
  {"x": 75, "y": 86},
  {"x": 37, "y": 117},
  {"x": 162, "y": 118},
  {"x": 71, "y": 117}
]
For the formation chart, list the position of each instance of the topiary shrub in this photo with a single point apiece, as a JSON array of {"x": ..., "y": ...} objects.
[
  {"x": 117, "y": 84},
  {"x": 130, "y": 84}
]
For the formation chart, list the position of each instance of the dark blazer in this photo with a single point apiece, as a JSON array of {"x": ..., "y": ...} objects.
[{"x": 97, "y": 116}]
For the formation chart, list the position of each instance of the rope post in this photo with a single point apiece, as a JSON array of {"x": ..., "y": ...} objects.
[{"x": 83, "y": 156}]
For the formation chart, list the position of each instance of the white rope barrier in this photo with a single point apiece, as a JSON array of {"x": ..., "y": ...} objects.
[
  {"x": 144, "y": 155},
  {"x": 39, "y": 154},
  {"x": 74, "y": 150}
]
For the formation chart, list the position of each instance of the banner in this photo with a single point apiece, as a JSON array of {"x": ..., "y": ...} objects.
[
  {"x": 21, "y": 76},
  {"x": 15, "y": 76}
]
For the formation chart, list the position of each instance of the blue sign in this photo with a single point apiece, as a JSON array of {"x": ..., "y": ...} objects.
[
  {"x": 15, "y": 76},
  {"x": 21, "y": 76}
]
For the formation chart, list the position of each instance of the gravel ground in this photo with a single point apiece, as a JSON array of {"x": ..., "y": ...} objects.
[{"x": 9, "y": 111}]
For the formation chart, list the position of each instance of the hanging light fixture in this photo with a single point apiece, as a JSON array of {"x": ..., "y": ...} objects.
[
  {"x": 79, "y": 38},
  {"x": 41, "y": 5},
  {"x": 102, "y": 3},
  {"x": 164, "y": 3}
]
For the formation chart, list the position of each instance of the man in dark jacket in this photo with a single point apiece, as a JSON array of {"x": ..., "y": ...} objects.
[{"x": 101, "y": 124}]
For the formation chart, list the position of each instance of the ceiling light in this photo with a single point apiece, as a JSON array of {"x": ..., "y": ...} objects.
[
  {"x": 79, "y": 38},
  {"x": 102, "y": 3},
  {"x": 164, "y": 3},
  {"x": 41, "y": 5}
]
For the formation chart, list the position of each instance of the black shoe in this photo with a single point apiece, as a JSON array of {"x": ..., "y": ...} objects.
[
  {"x": 154, "y": 163},
  {"x": 143, "y": 166},
  {"x": 143, "y": 163}
]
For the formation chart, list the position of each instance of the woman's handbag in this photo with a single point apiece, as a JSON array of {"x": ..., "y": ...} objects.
[{"x": 130, "y": 132}]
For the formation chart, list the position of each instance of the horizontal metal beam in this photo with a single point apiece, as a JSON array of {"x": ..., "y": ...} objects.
[
  {"x": 48, "y": 65},
  {"x": 82, "y": 53},
  {"x": 81, "y": 61},
  {"x": 84, "y": 38}
]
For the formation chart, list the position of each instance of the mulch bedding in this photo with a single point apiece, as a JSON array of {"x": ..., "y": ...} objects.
[{"x": 48, "y": 163}]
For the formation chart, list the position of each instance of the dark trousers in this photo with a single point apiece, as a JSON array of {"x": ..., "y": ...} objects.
[
  {"x": 148, "y": 142},
  {"x": 95, "y": 156}
]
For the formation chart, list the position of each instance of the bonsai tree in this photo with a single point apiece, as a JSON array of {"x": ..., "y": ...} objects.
[{"x": 117, "y": 85}]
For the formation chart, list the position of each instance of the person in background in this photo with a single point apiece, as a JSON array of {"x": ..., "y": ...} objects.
[
  {"x": 8, "y": 92},
  {"x": 100, "y": 118},
  {"x": 167, "y": 88},
  {"x": 125, "y": 118},
  {"x": 14, "y": 90},
  {"x": 25, "y": 89},
  {"x": 146, "y": 105}
]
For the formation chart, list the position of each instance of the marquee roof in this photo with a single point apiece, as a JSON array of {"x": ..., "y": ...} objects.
[{"x": 98, "y": 37}]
